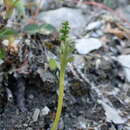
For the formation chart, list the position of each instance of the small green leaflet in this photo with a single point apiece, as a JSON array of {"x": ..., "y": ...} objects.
[
  {"x": 45, "y": 29},
  {"x": 2, "y": 53},
  {"x": 70, "y": 59},
  {"x": 31, "y": 28},
  {"x": 6, "y": 32},
  {"x": 52, "y": 64}
]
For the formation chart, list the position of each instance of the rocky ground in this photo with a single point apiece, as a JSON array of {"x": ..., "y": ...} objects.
[{"x": 97, "y": 83}]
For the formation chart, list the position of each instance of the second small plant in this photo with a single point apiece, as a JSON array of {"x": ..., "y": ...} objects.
[{"x": 65, "y": 57}]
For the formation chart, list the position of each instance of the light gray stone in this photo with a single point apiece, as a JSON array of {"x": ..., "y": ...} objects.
[
  {"x": 1, "y": 61},
  {"x": 55, "y": 17},
  {"x": 111, "y": 113},
  {"x": 125, "y": 61},
  {"x": 45, "y": 111},
  {"x": 36, "y": 115},
  {"x": 86, "y": 45},
  {"x": 94, "y": 25}
]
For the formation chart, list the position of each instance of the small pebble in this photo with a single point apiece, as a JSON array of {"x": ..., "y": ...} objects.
[
  {"x": 25, "y": 125},
  {"x": 31, "y": 96},
  {"x": 29, "y": 128},
  {"x": 124, "y": 60},
  {"x": 27, "y": 41},
  {"x": 82, "y": 125},
  {"x": 86, "y": 45},
  {"x": 45, "y": 111},
  {"x": 1, "y": 61},
  {"x": 94, "y": 25},
  {"x": 36, "y": 114},
  {"x": 5, "y": 42}
]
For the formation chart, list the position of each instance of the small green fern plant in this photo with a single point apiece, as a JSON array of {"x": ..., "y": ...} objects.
[{"x": 65, "y": 57}]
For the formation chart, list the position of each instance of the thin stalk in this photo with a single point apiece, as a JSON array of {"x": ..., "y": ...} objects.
[
  {"x": 60, "y": 98},
  {"x": 64, "y": 59}
]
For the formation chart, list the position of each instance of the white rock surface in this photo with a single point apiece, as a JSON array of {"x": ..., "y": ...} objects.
[
  {"x": 82, "y": 125},
  {"x": 125, "y": 61},
  {"x": 1, "y": 61},
  {"x": 45, "y": 111},
  {"x": 5, "y": 42},
  {"x": 86, "y": 45},
  {"x": 55, "y": 17},
  {"x": 36, "y": 115},
  {"x": 112, "y": 114},
  {"x": 94, "y": 25}
]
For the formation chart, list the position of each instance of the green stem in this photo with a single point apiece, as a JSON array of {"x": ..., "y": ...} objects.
[
  {"x": 64, "y": 56},
  {"x": 60, "y": 98}
]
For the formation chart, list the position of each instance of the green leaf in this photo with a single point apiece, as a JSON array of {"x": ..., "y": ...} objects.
[
  {"x": 52, "y": 64},
  {"x": 6, "y": 32},
  {"x": 31, "y": 28},
  {"x": 2, "y": 53},
  {"x": 70, "y": 59},
  {"x": 47, "y": 29},
  {"x": 20, "y": 7}
]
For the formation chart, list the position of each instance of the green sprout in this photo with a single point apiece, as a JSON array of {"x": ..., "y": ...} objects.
[{"x": 65, "y": 57}]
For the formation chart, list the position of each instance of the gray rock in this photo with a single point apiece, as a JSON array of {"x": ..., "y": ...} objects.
[
  {"x": 5, "y": 42},
  {"x": 45, "y": 111},
  {"x": 29, "y": 128},
  {"x": 86, "y": 45},
  {"x": 125, "y": 61},
  {"x": 97, "y": 34},
  {"x": 25, "y": 125},
  {"x": 94, "y": 25},
  {"x": 111, "y": 113},
  {"x": 36, "y": 115},
  {"x": 81, "y": 123},
  {"x": 1, "y": 61},
  {"x": 31, "y": 96},
  {"x": 55, "y": 17}
]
